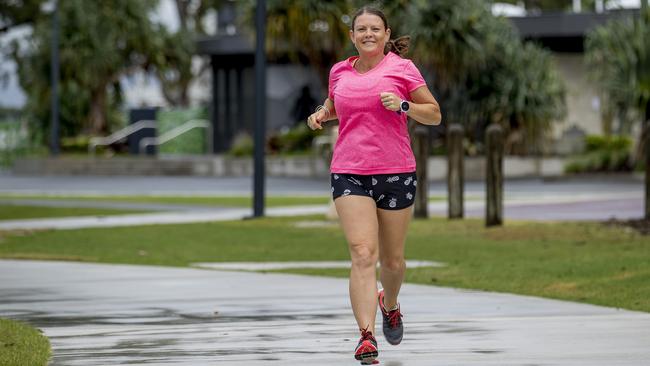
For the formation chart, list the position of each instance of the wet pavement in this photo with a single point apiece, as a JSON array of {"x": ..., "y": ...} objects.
[{"x": 97, "y": 314}]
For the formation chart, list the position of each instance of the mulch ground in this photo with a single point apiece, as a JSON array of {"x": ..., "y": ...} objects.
[{"x": 640, "y": 225}]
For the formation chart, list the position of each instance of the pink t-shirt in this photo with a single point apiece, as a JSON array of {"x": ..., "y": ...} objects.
[{"x": 372, "y": 139}]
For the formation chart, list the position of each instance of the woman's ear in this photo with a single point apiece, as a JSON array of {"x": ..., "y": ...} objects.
[
  {"x": 388, "y": 32},
  {"x": 352, "y": 36}
]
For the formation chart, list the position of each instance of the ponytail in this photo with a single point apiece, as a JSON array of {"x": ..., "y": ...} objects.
[{"x": 400, "y": 46}]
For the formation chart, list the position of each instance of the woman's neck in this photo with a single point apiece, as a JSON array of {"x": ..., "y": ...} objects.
[{"x": 367, "y": 62}]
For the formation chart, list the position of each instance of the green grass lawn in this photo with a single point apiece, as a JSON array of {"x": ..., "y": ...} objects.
[
  {"x": 11, "y": 212},
  {"x": 584, "y": 262},
  {"x": 226, "y": 201},
  {"x": 21, "y": 344}
]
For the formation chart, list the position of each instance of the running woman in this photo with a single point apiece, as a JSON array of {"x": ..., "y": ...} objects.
[{"x": 373, "y": 167}]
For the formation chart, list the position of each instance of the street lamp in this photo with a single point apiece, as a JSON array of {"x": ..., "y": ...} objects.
[
  {"x": 260, "y": 109},
  {"x": 54, "y": 133}
]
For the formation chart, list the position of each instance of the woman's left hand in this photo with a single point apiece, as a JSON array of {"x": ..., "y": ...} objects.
[{"x": 390, "y": 101}]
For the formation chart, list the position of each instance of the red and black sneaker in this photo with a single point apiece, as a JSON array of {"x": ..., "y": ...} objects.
[
  {"x": 392, "y": 324},
  {"x": 366, "y": 350}
]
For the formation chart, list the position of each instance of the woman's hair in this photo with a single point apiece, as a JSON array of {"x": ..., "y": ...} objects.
[{"x": 399, "y": 45}]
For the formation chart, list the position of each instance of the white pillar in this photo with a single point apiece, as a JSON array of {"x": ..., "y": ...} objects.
[
  {"x": 577, "y": 6},
  {"x": 599, "y": 6}
]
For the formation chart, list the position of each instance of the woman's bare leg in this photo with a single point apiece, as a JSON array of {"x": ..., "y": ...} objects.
[
  {"x": 358, "y": 217},
  {"x": 393, "y": 226}
]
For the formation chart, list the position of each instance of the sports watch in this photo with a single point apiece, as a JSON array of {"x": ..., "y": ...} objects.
[{"x": 404, "y": 106}]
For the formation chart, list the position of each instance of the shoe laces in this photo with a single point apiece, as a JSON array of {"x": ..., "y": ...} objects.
[
  {"x": 365, "y": 334},
  {"x": 394, "y": 317}
]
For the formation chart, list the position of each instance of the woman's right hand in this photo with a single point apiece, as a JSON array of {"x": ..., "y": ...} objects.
[{"x": 316, "y": 119}]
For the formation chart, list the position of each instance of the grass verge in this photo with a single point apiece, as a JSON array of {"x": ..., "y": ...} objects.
[
  {"x": 21, "y": 344},
  {"x": 11, "y": 212},
  {"x": 584, "y": 262},
  {"x": 225, "y": 201}
]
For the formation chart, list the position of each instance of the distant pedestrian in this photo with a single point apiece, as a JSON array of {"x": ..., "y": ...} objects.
[
  {"x": 373, "y": 168},
  {"x": 303, "y": 106}
]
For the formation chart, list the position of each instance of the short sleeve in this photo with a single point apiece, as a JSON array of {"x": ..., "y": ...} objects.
[
  {"x": 333, "y": 78},
  {"x": 412, "y": 76}
]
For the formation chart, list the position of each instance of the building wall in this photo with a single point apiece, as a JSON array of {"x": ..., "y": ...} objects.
[
  {"x": 283, "y": 86},
  {"x": 582, "y": 100}
]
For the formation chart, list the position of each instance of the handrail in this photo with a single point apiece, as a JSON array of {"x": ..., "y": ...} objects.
[
  {"x": 118, "y": 135},
  {"x": 172, "y": 134}
]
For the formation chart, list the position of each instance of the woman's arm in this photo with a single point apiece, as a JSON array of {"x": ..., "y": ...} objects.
[
  {"x": 329, "y": 104},
  {"x": 322, "y": 115},
  {"x": 423, "y": 107}
]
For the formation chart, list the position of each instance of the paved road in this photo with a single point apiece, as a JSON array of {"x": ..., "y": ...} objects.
[
  {"x": 98, "y": 314},
  {"x": 600, "y": 185},
  {"x": 573, "y": 199}
]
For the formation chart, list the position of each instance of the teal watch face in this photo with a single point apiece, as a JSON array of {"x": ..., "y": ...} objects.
[{"x": 404, "y": 106}]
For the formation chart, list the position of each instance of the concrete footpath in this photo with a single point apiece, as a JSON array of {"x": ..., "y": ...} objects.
[{"x": 98, "y": 314}]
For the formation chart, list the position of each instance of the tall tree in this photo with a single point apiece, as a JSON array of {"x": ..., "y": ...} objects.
[
  {"x": 175, "y": 71},
  {"x": 19, "y": 12},
  {"x": 618, "y": 56},
  {"x": 173, "y": 66},
  {"x": 100, "y": 43},
  {"x": 310, "y": 29},
  {"x": 483, "y": 72}
]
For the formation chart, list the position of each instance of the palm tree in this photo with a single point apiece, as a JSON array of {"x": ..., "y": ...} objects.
[
  {"x": 100, "y": 43},
  {"x": 483, "y": 72},
  {"x": 618, "y": 55},
  {"x": 309, "y": 30}
]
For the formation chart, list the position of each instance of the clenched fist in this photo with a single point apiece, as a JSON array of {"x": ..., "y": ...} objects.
[
  {"x": 317, "y": 118},
  {"x": 390, "y": 101}
]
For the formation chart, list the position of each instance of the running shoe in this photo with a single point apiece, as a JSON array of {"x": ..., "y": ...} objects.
[
  {"x": 392, "y": 324},
  {"x": 366, "y": 350}
]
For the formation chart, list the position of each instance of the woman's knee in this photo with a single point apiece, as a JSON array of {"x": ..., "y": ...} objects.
[
  {"x": 393, "y": 263},
  {"x": 363, "y": 255}
]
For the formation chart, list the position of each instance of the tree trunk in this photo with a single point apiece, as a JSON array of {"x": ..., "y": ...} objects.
[
  {"x": 647, "y": 170},
  {"x": 420, "y": 143},
  {"x": 606, "y": 120},
  {"x": 646, "y": 146},
  {"x": 183, "y": 12},
  {"x": 494, "y": 176},
  {"x": 97, "y": 117},
  {"x": 455, "y": 176}
]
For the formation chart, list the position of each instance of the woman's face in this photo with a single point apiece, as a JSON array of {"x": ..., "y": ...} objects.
[{"x": 369, "y": 34}]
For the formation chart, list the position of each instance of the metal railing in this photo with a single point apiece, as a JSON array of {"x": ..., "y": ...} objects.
[
  {"x": 119, "y": 135},
  {"x": 172, "y": 134}
]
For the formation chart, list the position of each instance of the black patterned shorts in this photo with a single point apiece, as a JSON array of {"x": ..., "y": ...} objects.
[{"x": 389, "y": 191}]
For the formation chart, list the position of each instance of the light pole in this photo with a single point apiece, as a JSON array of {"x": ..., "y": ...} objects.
[
  {"x": 54, "y": 133},
  {"x": 260, "y": 109}
]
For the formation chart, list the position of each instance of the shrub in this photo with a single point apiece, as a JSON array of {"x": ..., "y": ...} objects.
[
  {"x": 74, "y": 145},
  {"x": 242, "y": 145},
  {"x": 191, "y": 142},
  {"x": 603, "y": 154},
  {"x": 298, "y": 139}
]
